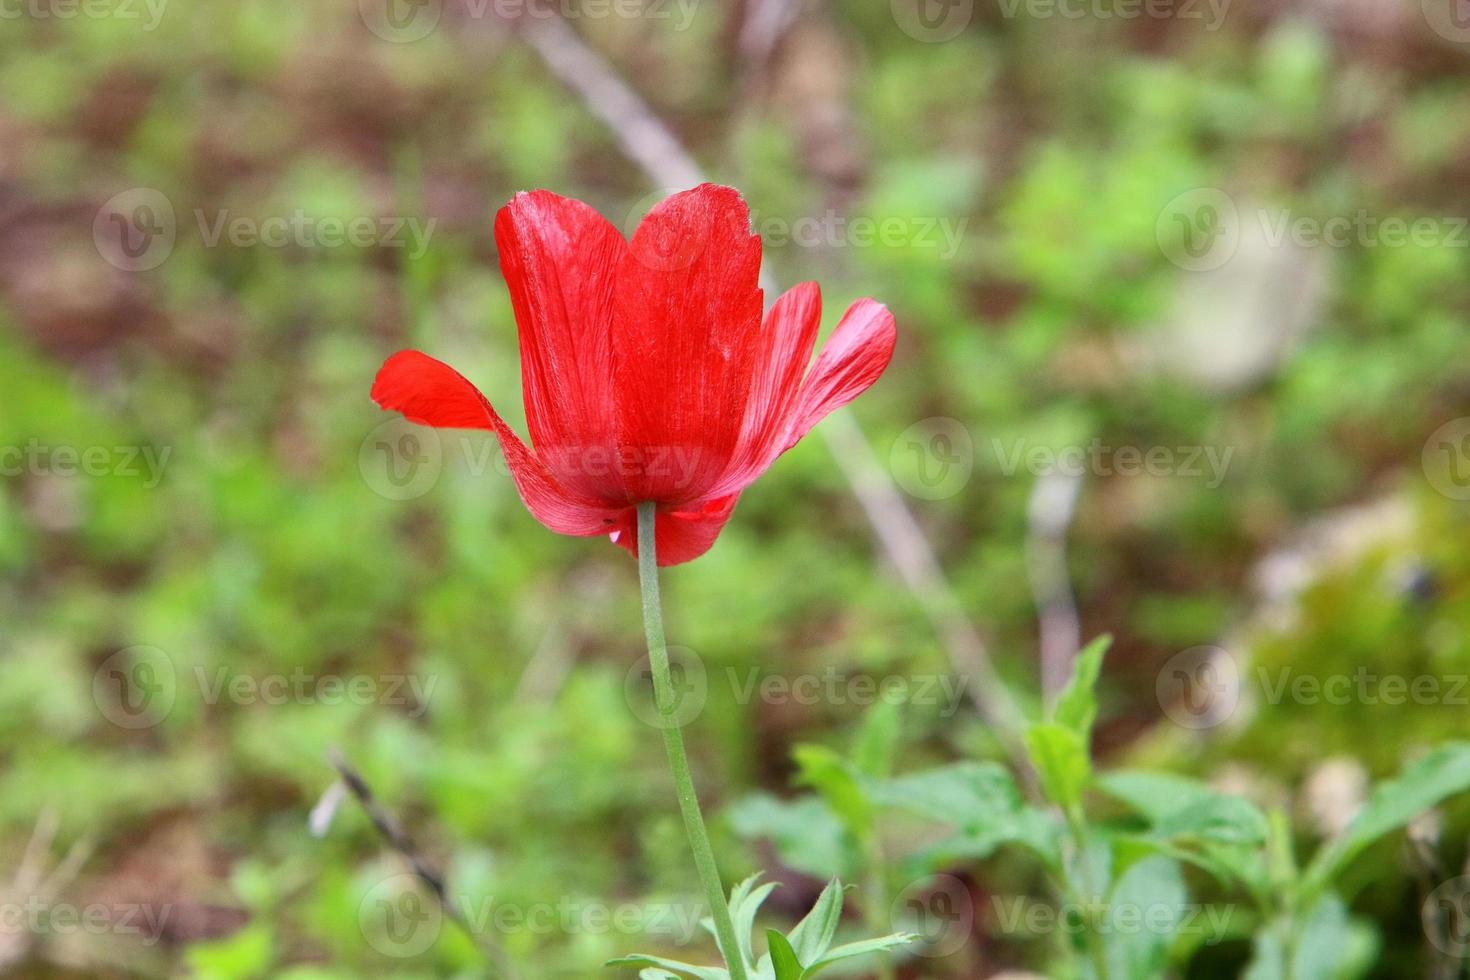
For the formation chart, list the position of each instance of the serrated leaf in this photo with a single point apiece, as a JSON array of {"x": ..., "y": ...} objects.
[
  {"x": 1227, "y": 819},
  {"x": 813, "y": 934},
  {"x": 1039, "y": 831},
  {"x": 964, "y": 793},
  {"x": 982, "y": 801},
  {"x": 1192, "y": 821},
  {"x": 1076, "y": 706},
  {"x": 1444, "y": 772},
  {"x": 1226, "y": 863},
  {"x": 783, "y": 957},
  {"x": 1180, "y": 807}
]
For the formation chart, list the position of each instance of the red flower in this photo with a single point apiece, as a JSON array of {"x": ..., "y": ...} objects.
[{"x": 649, "y": 373}]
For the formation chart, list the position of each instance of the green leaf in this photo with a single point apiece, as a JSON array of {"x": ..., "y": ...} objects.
[
  {"x": 1060, "y": 758},
  {"x": 1268, "y": 957},
  {"x": 1224, "y": 818},
  {"x": 982, "y": 801},
  {"x": 876, "y": 744},
  {"x": 861, "y": 948},
  {"x": 247, "y": 953},
  {"x": 1442, "y": 773},
  {"x": 688, "y": 969},
  {"x": 745, "y": 901},
  {"x": 1059, "y": 748},
  {"x": 743, "y": 913},
  {"x": 1144, "y": 911},
  {"x": 807, "y": 834},
  {"x": 783, "y": 957},
  {"x": 1192, "y": 821},
  {"x": 965, "y": 794},
  {"x": 1179, "y": 807},
  {"x": 1227, "y": 863},
  {"x": 1076, "y": 706},
  {"x": 813, "y": 934},
  {"x": 1330, "y": 946},
  {"x": 833, "y": 777}
]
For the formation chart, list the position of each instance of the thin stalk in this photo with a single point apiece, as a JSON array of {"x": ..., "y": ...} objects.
[
  {"x": 665, "y": 698},
  {"x": 1096, "y": 950},
  {"x": 877, "y": 906}
]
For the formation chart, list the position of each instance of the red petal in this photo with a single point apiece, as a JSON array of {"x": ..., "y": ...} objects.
[
  {"x": 851, "y": 360},
  {"x": 784, "y": 350},
  {"x": 559, "y": 259},
  {"x": 431, "y": 392},
  {"x": 688, "y": 313},
  {"x": 680, "y": 534},
  {"x": 784, "y": 408}
]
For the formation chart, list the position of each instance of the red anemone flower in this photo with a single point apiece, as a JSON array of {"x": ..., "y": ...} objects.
[{"x": 649, "y": 371}]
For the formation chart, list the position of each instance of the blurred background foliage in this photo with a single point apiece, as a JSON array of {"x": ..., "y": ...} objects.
[{"x": 268, "y": 547}]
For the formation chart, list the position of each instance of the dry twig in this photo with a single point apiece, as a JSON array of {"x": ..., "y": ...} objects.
[{"x": 392, "y": 831}]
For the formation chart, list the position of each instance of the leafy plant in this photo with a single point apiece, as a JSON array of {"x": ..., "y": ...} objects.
[
  {"x": 803, "y": 952},
  {"x": 1129, "y": 905}
]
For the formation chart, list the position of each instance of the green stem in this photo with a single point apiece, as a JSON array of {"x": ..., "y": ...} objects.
[
  {"x": 663, "y": 689},
  {"x": 1096, "y": 950},
  {"x": 876, "y": 909}
]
